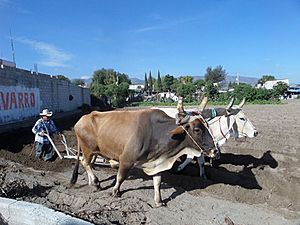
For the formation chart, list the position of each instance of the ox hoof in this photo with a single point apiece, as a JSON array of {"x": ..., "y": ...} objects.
[
  {"x": 179, "y": 169},
  {"x": 116, "y": 194},
  {"x": 114, "y": 164},
  {"x": 204, "y": 177},
  {"x": 94, "y": 188},
  {"x": 160, "y": 204},
  {"x": 97, "y": 186}
]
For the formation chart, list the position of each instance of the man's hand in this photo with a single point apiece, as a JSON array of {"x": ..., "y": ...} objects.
[{"x": 43, "y": 133}]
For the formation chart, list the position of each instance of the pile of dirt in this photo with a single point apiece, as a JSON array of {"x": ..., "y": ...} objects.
[
  {"x": 18, "y": 146},
  {"x": 262, "y": 173}
]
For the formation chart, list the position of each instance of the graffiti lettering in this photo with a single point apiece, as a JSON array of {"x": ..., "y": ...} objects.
[
  {"x": 17, "y": 100},
  {"x": 4, "y": 101},
  {"x": 13, "y": 100},
  {"x": 20, "y": 101},
  {"x": 32, "y": 100}
]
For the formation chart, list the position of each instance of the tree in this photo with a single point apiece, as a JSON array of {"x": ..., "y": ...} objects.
[
  {"x": 78, "y": 82},
  {"x": 265, "y": 78},
  {"x": 231, "y": 84},
  {"x": 146, "y": 84},
  {"x": 186, "y": 79},
  {"x": 244, "y": 91},
  {"x": 186, "y": 90},
  {"x": 215, "y": 75},
  {"x": 211, "y": 90},
  {"x": 159, "y": 83},
  {"x": 110, "y": 84},
  {"x": 104, "y": 76},
  {"x": 168, "y": 81},
  {"x": 63, "y": 77},
  {"x": 98, "y": 89},
  {"x": 121, "y": 78},
  {"x": 150, "y": 82},
  {"x": 199, "y": 83},
  {"x": 117, "y": 93},
  {"x": 280, "y": 88},
  {"x": 175, "y": 84},
  {"x": 199, "y": 86},
  {"x": 264, "y": 94}
]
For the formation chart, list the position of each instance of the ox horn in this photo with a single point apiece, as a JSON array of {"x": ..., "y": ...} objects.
[
  {"x": 242, "y": 103},
  {"x": 230, "y": 104},
  {"x": 203, "y": 104},
  {"x": 180, "y": 105},
  {"x": 181, "y": 115}
]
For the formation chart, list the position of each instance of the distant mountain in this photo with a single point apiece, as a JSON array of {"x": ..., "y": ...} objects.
[
  {"x": 136, "y": 81},
  {"x": 88, "y": 81},
  {"x": 248, "y": 80},
  {"x": 243, "y": 79}
]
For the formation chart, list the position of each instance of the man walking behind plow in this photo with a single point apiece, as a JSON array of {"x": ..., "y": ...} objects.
[{"x": 43, "y": 148}]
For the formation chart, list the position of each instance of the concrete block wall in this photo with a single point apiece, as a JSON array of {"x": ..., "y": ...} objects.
[{"x": 19, "y": 88}]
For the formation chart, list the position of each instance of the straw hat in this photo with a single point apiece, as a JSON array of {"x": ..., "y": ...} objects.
[{"x": 46, "y": 112}]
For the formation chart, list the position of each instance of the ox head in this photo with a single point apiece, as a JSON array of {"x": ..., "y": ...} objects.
[
  {"x": 242, "y": 126},
  {"x": 195, "y": 131}
]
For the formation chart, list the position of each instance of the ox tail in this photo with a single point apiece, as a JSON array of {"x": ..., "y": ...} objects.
[{"x": 75, "y": 171}]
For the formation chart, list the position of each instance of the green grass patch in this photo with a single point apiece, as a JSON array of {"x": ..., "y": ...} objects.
[{"x": 174, "y": 104}]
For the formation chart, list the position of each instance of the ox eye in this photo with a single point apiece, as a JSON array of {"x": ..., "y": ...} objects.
[
  {"x": 197, "y": 129},
  {"x": 242, "y": 119}
]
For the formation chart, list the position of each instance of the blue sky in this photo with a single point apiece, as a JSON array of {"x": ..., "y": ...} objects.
[{"x": 74, "y": 38}]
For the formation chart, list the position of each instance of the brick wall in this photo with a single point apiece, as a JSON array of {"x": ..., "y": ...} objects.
[{"x": 24, "y": 94}]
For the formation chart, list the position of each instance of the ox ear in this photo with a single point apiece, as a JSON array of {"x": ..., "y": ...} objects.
[
  {"x": 230, "y": 104},
  {"x": 203, "y": 104},
  {"x": 242, "y": 103}
]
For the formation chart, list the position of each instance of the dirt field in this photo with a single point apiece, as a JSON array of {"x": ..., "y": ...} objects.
[{"x": 256, "y": 181}]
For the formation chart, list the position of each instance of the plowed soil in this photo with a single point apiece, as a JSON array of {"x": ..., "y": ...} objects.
[{"x": 256, "y": 181}]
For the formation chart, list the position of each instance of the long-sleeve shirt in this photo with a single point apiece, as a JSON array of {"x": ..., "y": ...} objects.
[{"x": 44, "y": 126}]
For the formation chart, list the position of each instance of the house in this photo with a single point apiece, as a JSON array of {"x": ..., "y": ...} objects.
[
  {"x": 168, "y": 95},
  {"x": 136, "y": 87},
  {"x": 293, "y": 91},
  {"x": 6, "y": 63},
  {"x": 271, "y": 83}
]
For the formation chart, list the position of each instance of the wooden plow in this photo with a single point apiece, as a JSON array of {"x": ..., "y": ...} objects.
[{"x": 71, "y": 153}]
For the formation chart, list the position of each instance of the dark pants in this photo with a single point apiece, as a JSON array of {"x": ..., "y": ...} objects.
[{"x": 43, "y": 151}]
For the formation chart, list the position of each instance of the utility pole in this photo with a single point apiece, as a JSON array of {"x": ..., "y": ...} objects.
[
  {"x": 237, "y": 79},
  {"x": 12, "y": 47},
  {"x": 35, "y": 69}
]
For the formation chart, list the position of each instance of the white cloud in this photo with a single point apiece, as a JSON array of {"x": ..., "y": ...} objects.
[
  {"x": 52, "y": 56},
  {"x": 5, "y": 3},
  {"x": 150, "y": 28},
  {"x": 14, "y": 6},
  {"x": 85, "y": 77},
  {"x": 167, "y": 25}
]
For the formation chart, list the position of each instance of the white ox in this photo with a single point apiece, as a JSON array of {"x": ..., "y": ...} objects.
[{"x": 229, "y": 122}]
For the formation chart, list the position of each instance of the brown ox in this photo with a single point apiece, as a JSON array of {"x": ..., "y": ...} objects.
[{"x": 148, "y": 139}]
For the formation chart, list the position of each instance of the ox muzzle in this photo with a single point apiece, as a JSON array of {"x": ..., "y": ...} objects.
[{"x": 214, "y": 153}]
